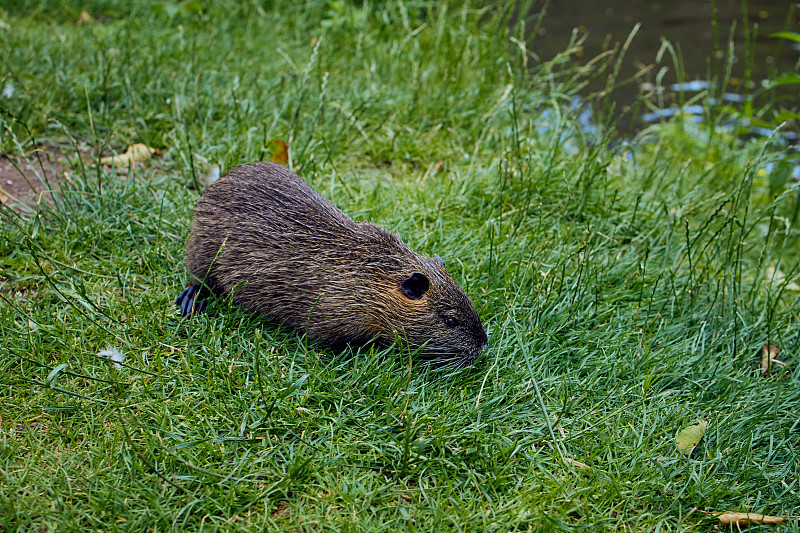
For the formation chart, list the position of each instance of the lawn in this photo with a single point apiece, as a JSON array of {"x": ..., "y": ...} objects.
[{"x": 627, "y": 283}]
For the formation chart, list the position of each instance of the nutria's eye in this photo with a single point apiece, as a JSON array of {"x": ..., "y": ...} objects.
[{"x": 450, "y": 322}]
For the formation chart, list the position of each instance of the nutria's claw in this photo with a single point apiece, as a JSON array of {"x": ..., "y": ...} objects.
[{"x": 186, "y": 301}]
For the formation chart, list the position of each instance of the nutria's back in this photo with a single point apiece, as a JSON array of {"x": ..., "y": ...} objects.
[{"x": 283, "y": 250}]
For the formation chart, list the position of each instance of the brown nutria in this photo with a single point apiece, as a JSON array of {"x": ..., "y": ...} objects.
[{"x": 279, "y": 248}]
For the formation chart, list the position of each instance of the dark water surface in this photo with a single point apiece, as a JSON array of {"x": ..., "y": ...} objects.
[{"x": 687, "y": 24}]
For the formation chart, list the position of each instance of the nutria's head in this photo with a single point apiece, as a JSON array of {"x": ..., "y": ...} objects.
[{"x": 427, "y": 307}]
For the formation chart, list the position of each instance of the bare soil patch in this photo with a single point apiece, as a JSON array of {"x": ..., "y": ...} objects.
[{"x": 27, "y": 183}]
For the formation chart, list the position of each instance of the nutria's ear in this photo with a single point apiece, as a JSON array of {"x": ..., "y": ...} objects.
[{"x": 415, "y": 286}]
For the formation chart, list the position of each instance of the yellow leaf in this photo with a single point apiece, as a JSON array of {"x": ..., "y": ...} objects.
[
  {"x": 136, "y": 153},
  {"x": 742, "y": 519},
  {"x": 279, "y": 151},
  {"x": 84, "y": 18},
  {"x": 577, "y": 464},
  {"x": 690, "y": 436},
  {"x": 3, "y": 197},
  {"x": 768, "y": 354}
]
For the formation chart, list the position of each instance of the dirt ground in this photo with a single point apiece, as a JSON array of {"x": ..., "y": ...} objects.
[{"x": 25, "y": 184}]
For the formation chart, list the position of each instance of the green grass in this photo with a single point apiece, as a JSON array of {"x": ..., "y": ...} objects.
[{"x": 627, "y": 291}]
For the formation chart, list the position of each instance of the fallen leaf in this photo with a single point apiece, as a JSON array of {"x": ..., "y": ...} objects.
[
  {"x": 555, "y": 419},
  {"x": 136, "y": 153},
  {"x": 768, "y": 354},
  {"x": 84, "y": 18},
  {"x": 742, "y": 519},
  {"x": 433, "y": 168},
  {"x": 279, "y": 151},
  {"x": 3, "y": 197},
  {"x": 689, "y": 437},
  {"x": 577, "y": 464}
]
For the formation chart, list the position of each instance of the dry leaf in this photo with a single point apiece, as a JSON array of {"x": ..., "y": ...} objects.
[
  {"x": 136, "y": 153},
  {"x": 577, "y": 464},
  {"x": 433, "y": 168},
  {"x": 768, "y": 354},
  {"x": 742, "y": 519},
  {"x": 689, "y": 437},
  {"x": 84, "y": 18},
  {"x": 558, "y": 424},
  {"x": 279, "y": 151},
  {"x": 3, "y": 197}
]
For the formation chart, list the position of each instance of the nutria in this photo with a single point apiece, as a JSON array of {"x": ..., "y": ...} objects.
[{"x": 279, "y": 248}]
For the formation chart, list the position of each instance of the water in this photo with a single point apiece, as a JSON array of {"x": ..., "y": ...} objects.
[{"x": 688, "y": 25}]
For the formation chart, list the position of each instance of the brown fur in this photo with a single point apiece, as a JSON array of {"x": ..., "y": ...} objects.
[{"x": 285, "y": 251}]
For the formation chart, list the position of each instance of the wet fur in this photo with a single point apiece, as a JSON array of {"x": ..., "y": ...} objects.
[{"x": 283, "y": 250}]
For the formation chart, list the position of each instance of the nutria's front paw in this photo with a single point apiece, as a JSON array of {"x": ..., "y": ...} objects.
[{"x": 186, "y": 301}]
